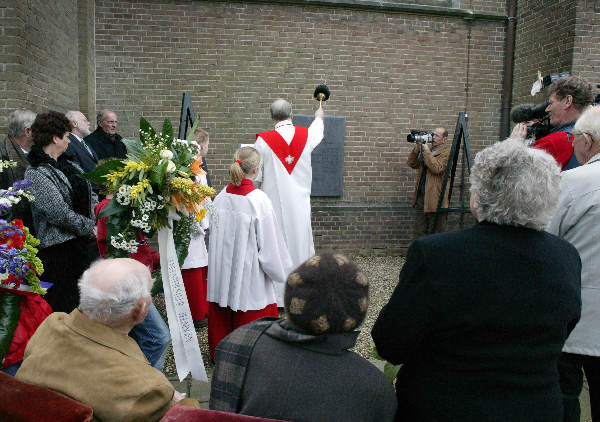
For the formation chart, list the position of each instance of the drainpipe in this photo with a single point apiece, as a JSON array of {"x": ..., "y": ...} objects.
[{"x": 509, "y": 60}]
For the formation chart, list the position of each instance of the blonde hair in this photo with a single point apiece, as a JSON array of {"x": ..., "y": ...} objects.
[
  {"x": 200, "y": 135},
  {"x": 249, "y": 159}
]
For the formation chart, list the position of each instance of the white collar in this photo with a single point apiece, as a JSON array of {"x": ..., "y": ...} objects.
[{"x": 283, "y": 123}]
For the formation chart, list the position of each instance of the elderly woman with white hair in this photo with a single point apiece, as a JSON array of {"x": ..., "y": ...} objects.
[{"x": 480, "y": 315}]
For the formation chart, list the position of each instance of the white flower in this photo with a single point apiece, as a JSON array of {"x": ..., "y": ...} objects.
[
  {"x": 5, "y": 201},
  {"x": 171, "y": 167},
  {"x": 166, "y": 154}
]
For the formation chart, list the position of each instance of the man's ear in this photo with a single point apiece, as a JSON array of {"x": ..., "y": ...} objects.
[
  {"x": 138, "y": 314},
  {"x": 568, "y": 100}
]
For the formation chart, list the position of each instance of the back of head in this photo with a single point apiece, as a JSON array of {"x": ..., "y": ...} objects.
[
  {"x": 245, "y": 160},
  {"x": 111, "y": 288},
  {"x": 18, "y": 121},
  {"x": 575, "y": 86},
  {"x": 281, "y": 110},
  {"x": 200, "y": 136},
  {"x": 516, "y": 185},
  {"x": 326, "y": 294},
  {"x": 589, "y": 122},
  {"x": 47, "y": 125}
]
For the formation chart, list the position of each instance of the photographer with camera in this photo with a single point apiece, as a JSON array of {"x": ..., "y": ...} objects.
[
  {"x": 568, "y": 97},
  {"x": 431, "y": 162}
]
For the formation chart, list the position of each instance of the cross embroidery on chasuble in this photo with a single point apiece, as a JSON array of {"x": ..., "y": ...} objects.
[{"x": 287, "y": 154}]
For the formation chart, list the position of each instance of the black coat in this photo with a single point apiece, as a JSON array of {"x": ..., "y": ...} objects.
[
  {"x": 479, "y": 319},
  {"x": 80, "y": 155},
  {"x": 104, "y": 146}
]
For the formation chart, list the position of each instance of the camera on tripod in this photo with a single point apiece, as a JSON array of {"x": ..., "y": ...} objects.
[{"x": 419, "y": 137}]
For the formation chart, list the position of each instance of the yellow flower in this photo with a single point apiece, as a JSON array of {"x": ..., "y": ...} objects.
[
  {"x": 139, "y": 188},
  {"x": 200, "y": 215},
  {"x": 132, "y": 166},
  {"x": 114, "y": 175}
]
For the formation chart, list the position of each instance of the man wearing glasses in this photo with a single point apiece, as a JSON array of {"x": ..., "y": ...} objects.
[
  {"x": 431, "y": 163},
  {"x": 568, "y": 97},
  {"x": 105, "y": 141}
]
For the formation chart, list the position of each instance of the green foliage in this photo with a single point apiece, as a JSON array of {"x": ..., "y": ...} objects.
[
  {"x": 182, "y": 230},
  {"x": 135, "y": 149},
  {"x": 389, "y": 370},
  {"x": 157, "y": 284},
  {"x": 167, "y": 129},
  {"x": 192, "y": 131},
  {"x": 10, "y": 311},
  {"x": 97, "y": 175}
]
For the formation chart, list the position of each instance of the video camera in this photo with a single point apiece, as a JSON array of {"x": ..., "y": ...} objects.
[
  {"x": 419, "y": 137},
  {"x": 537, "y": 113}
]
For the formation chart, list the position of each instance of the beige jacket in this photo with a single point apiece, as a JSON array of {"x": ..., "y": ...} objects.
[
  {"x": 436, "y": 163},
  {"x": 97, "y": 366}
]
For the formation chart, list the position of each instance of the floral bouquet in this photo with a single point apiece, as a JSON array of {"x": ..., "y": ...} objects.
[
  {"x": 157, "y": 177},
  {"x": 20, "y": 284}
]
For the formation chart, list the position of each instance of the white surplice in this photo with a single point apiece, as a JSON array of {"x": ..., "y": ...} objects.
[
  {"x": 290, "y": 193},
  {"x": 247, "y": 255}
]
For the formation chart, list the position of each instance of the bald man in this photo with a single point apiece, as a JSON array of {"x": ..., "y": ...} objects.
[{"x": 88, "y": 356}]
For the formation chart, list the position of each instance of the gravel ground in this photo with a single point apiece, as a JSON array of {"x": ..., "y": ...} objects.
[{"x": 383, "y": 277}]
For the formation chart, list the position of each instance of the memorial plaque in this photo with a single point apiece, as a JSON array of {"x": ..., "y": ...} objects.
[{"x": 328, "y": 158}]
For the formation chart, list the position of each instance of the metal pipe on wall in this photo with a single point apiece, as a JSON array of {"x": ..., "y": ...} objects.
[{"x": 509, "y": 60}]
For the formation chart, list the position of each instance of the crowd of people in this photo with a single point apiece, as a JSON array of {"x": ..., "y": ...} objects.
[{"x": 497, "y": 322}]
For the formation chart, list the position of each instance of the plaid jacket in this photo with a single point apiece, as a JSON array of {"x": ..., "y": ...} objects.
[{"x": 231, "y": 362}]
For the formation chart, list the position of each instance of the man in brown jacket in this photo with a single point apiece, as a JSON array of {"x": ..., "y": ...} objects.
[
  {"x": 88, "y": 356},
  {"x": 431, "y": 164}
]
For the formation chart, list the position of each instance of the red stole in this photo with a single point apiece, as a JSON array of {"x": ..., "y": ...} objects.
[
  {"x": 287, "y": 154},
  {"x": 243, "y": 189}
]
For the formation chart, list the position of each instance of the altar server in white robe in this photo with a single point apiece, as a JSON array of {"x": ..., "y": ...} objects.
[
  {"x": 247, "y": 254},
  {"x": 287, "y": 177}
]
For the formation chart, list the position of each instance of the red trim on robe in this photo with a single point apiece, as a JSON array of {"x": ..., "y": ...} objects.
[
  {"x": 243, "y": 189},
  {"x": 282, "y": 150}
]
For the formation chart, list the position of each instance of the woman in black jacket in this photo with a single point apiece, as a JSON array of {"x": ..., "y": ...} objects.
[{"x": 480, "y": 316}]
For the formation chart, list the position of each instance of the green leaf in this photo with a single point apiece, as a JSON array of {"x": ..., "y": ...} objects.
[
  {"x": 157, "y": 173},
  {"x": 167, "y": 129},
  {"x": 145, "y": 126},
  {"x": 192, "y": 131},
  {"x": 112, "y": 208},
  {"x": 391, "y": 371},
  {"x": 135, "y": 149},
  {"x": 10, "y": 310},
  {"x": 97, "y": 175}
]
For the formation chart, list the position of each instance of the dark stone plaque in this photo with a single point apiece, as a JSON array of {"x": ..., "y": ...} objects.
[{"x": 328, "y": 158}]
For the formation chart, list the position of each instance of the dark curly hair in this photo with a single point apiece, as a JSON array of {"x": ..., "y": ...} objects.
[
  {"x": 575, "y": 86},
  {"x": 47, "y": 125}
]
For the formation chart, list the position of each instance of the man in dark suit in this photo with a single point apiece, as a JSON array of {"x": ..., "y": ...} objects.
[
  {"x": 105, "y": 141},
  {"x": 78, "y": 149}
]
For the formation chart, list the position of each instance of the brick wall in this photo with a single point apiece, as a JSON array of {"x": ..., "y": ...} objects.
[
  {"x": 387, "y": 72},
  {"x": 544, "y": 41},
  {"x": 39, "y": 50},
  {"x": 586, "y": 46}
]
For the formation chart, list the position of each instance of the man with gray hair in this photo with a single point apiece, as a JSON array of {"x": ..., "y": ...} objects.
[
  {"x": 88, "y": 356},
  {"x": 78, "y": 148},
  {"x": 105, "y": 141},
  {"x": 287, "y": 177},
  {"x": 16, "y": 146},
  {"x": 576, "y": 220}
]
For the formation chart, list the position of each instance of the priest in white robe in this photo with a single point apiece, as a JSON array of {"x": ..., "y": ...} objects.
[{"x": 287, "y": 177}]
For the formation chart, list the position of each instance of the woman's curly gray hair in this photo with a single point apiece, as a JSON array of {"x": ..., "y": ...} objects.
[{"x": 516, "y": 185}]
